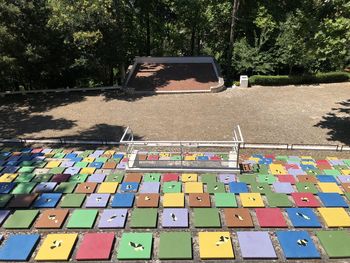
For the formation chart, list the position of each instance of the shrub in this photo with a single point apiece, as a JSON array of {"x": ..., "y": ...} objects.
[{"x": 330, "y": 77}]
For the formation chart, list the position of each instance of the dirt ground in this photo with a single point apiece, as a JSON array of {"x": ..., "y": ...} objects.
[{"x": 294, "y": 114}]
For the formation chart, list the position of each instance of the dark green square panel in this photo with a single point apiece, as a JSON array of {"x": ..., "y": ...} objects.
[
  {"x": 247, "y": 178},
  {"x": 42, "y": 178},
  {"x": 206, "y": 217},
  {"x": 216, "y": 187},
  {"x": 24, "y": 178},
  {"x": 263, "y": 188},
  {"x": 78, "y": 178},
  {"x": 72, "y": 200},
  {"x": 208, "y": 178},
  {"x": 175, "y": 245},
  {"x": 4, "y": 199},
  {"x": 306, "y": 188},
  {"x": 144, "y": 218},
  {"x": 278, "y": 200},
  {"x": 65, "y": 187},
  {"x": 21, "y": 219},
  {"x": 116, "y": 177},
  {"x": 23, "y": 188},
  {"x": 336, "y": 243}
]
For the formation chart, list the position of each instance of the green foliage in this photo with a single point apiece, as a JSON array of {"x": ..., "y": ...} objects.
[
  {"x": 330, "y": 77},
  {"x": 60, "y": 43}
]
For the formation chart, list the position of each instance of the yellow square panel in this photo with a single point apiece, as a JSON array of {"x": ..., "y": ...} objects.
[
  {"x": 330, "y": 188},
  {"x": 89, "y": 159},
  {"x": 108, "y": 188},
  {"x": 345, "y": 172},
  {"x": 193, "y": 187},
  {"x": 277, "y": 169},
  {"x": 335, "y": 216},
  {"x": 215, "y": 245},
  {"x": 190, "y": 158},
  {"x": 109, "y": 152},
  {"x": 306, "y": 157},
  {"x": 56, "y": 247},
  {"x": 7, "y": 178},
  {"x": 251, "y": 200},
  {"x": 87, "y": 170},
  {"x": 332, "y": 158},
  {"x": 53, "y": 164},
  {"x": 174, "y": 200},
  {"x": 308, "y": 162},
  {"x": 255, "y": 159},
  {"x": 189, "y": 177},
  {"x": 164, "y": 154}
]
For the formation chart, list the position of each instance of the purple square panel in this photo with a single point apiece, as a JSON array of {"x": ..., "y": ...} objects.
[
  {"x": 227, "y": 178},
  {"x": 96, "y": 178},
  {"x": 296, "y": 172},
  {"x": 121, "y": 166},
  {"x": 97, "y": 200},
  {"x": 113, "y": 218},
  {"x": 67, "y": 164},
  {"x": 72, "y": 170},
  {"x": 344, "y": 178},
  {"x": 175, "y": 217},
  {"x": 256, "y": 244},
  {"x": 283, "y": 187},
  {"x": 149, "y": 187}
]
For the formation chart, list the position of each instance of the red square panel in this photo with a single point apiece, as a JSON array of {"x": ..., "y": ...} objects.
[
  {"x": 96, "y": 246},
  {"x": 270, "y": 217},
  {"x": 305, "y": 200},
  {"x": 170, "y": 177},
  {"x": 291, "y": 166},
  {"x": 286, "y": 178}
]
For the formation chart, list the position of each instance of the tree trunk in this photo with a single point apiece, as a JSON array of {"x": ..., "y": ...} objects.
[
  {"x": 148, "y": 34},
  {"x": 193, "y": 37},
  {"x": 232, "y": 38}
]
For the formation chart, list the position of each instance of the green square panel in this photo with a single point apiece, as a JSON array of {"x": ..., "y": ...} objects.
[
  {"x": 135, "y": 246},
  {"x": 172, "y": 187},
  {"x": 59, "y": 150},
  {"x": 151, "y": 177},
  {"x": 215, "y": 188},
  {"x": 26, "y": 163},
  {"x": 4, "y": 199},
  {"x": 40, "y": 164},
  {"x": 263, "y": 169},
  {"x": 24, "y": 178},
  {"x": 281, "y": 158},
  {"x": 336, "y": 243},
  {"x": 263, "y": 188},
  {"x": 78, "y": 178},
  {"x": 266, "y": 178},
  {"x": 81, "y": 164},
  {"x": 59, "y": 155},
  {"x": 57, "y": 170},
  {"x": 65, "y": 187},
  {"x": 42, "y": 178},
  {"x": 225, "y": 200},
  {"x": 23, "y": 188},
  {"x": 72, "y": 200},
  {"x": 278, "y": 200},
  {"x": 116, "y": 177},
  {"x": 333, "y": 172},
  {"x": 208, "y": 178},
  {"x": 21, "y": 219},
  {"x": 82, "y": 218},
  {"x": 247, "y": 178},
  {"x": 144, "y": 218},
  {"x": 175, "y": 245},
  {"x": 347, "y": 162},
  {"x": 26, "y": 169},
  {"x": 306, "y": 188},
  {"x": 206, "y": 217},
  {"x": 255, "y": 168},
  {"x": 101, "y": 159}
]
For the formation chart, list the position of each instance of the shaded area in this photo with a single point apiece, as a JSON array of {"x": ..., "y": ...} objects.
[
  {"x": 338, "y": 123},
  {"x": 173, "y": 76}
]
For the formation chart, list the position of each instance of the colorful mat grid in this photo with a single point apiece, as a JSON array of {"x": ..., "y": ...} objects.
[{"x": 290, "y": 207}]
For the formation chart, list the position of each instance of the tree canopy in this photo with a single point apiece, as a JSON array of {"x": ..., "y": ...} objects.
[{"x": 64, "y": 43}]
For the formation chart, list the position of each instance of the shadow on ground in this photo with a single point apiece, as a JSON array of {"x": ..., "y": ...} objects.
[{"x": 338, "y": 123}]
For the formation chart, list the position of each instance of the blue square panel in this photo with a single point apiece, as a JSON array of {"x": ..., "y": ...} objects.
[
  {"x": 10, "y": 169},
  {"x": 44, "y": 187},
  {"x": 238, "y": 187},
  {"x": 123, "y": 200},
  {"x": 297, "y": 244},
  {"x": 6, "y": 188},
  {"x": 332, "y": 200},
  {"x": 18, "y": 247},
  {"x": 202, "y": 158},
  {"x": 96, "y": 165},
  {"x": 303, "y": 217},
  {"x": 326, "y": 179},
  {"x": 129, "y": 187},
  {"x": 47, "y": 200}
]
